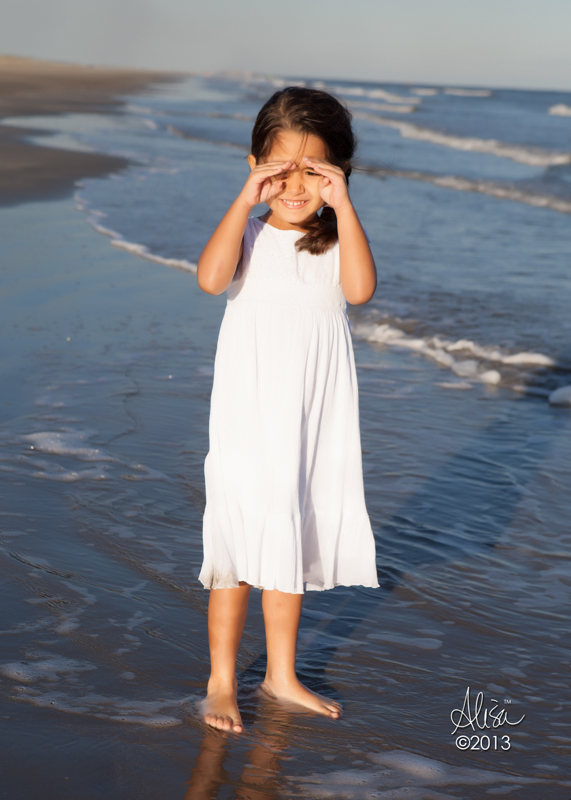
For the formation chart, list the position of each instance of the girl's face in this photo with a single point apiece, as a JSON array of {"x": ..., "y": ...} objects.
[{"x": 300, "y": 200}]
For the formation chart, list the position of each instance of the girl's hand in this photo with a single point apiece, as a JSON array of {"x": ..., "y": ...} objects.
[
  {"x": 264, "y": 182},
  {"x": 333, "y": 184}
]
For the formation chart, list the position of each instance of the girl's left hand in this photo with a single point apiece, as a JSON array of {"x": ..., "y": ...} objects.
[{"x": 333, "y": 185}]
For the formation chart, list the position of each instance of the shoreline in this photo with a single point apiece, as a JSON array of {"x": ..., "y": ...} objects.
[{"x": 30, "y": 87}]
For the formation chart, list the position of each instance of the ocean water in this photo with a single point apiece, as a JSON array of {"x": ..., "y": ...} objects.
[{"x": 463, "y": 357}]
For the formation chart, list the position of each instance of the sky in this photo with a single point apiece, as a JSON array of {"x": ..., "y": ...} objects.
[{"x": 510, "y": 43}]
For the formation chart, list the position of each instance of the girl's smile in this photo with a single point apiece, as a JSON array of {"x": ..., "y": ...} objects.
[{"x": 294, "y": 205}]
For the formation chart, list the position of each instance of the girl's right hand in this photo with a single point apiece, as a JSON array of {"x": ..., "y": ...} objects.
[{"x": 264, "y": 182}]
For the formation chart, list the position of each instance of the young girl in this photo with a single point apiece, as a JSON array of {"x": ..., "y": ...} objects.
[{"x": 285, "y": 508}]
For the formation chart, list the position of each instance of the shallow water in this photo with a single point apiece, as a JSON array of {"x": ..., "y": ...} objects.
[
  {"x": 105, "y": 392},
  {"x": 457, "y": 197}
]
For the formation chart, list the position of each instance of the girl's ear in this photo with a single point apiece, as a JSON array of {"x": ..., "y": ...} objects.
[{"x": 251, "y": 161}]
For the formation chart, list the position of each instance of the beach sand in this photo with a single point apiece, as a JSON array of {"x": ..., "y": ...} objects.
[{"x": 33, "y": 88}]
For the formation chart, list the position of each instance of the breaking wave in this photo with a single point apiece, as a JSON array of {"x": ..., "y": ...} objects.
[
  {"x": 374, "y": 94},
  {"x": 503, "y": 191},
  {"x": 469, "y": 92},
  {"x": 94, "y": 219},
  {"x": 463, "y": 357},
  {"x": 394, "y": 109},
  {"x": 523, "y": 154},
  {"x": 560, "y": 110}
]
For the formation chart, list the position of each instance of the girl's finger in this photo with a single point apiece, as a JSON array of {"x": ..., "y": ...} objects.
[
  {"x": 323, "y": 167},
  {"x": 274, "y": 167},
  {"x": 332, "y": 174},
  {"x": 271, "y": 189},
  {"x": 319, "y": 163}
]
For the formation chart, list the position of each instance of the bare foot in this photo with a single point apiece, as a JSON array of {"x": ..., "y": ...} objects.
[
  {"x": 220, "y": 708},
  {"x": 295, "y": 692}
]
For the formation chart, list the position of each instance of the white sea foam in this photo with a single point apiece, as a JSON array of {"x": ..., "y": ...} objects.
[
  {"x": 560, "y": 110},
  {"x": 68, "y": 624},
  {"x": 143, "y": 252},
  {"x": 490, "y": 376},
  {"x": 73, "y": 444},
  {"x": 401, "y": 775},
  {"x": 70, "y": 476},
  {"x": 39, "y": 669},
  {"x": 469, "y": 92},
  {"x": 523, "y": 154},
  {"x": 114, "y": 709},
  {"x": 22, "y": 627},
  {"x": 257, "y": 78},
  {"x": 67, "y": 444},
  {"x": 43, "y": 669},
  {"x": 143, "y": 473},
  {"x": 93, "y": 218},
  {"x": 103, "y": 230},
  {"x": 88, "y": 598},
  {"x": 491, "y": 188},
  {"x": 375, "y": 94},
  {"x": 395, "y": 109},
  {"x": 425, "y": 92},
  {"x": 476, "y": 362}
]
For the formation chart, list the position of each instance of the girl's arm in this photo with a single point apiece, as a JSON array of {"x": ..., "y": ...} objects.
[
  {"x": 219, "y": 259},
  {"x": 357, "y": 269}
]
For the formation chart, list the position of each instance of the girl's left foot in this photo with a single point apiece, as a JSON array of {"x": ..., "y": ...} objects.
[{"x": 295, "y": 692}]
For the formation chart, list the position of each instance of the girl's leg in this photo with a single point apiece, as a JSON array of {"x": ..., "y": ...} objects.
[
  {"x": 227, "y": 609},
  {"x": 281, "y": 617}
]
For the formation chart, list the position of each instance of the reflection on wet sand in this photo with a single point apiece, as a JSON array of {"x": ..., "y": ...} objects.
[{"x": 260, "y": 777}]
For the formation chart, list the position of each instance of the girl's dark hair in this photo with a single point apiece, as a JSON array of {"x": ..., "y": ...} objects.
[{"x": 309, "y": 111}]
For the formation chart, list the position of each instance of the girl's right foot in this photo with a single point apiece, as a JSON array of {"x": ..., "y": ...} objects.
[{"x": 220, "y": 707}]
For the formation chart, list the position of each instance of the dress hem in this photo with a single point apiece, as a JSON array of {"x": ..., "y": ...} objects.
[{"x": 307, "y": 587}]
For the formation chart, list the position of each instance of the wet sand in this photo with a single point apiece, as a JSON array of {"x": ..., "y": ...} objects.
[{"x": 34, "y": 88}]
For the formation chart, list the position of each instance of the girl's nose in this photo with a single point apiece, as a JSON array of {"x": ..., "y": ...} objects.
[{"x": 294, "y": 183}]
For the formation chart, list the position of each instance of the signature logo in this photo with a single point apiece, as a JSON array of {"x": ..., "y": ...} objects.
[{"x": 477, "y": 716}]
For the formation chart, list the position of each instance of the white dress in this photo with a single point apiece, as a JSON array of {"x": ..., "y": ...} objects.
[{"x": 285, "y": 506}]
